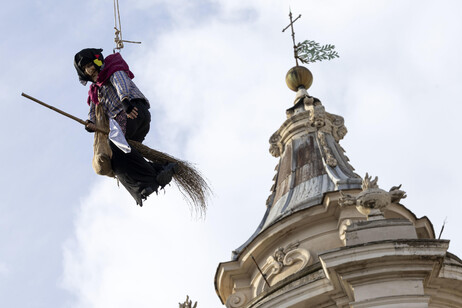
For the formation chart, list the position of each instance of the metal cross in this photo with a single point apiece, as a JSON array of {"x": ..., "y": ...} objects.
[{"x": 291, "y": 25}]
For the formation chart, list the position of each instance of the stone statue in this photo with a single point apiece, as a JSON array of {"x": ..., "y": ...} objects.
[
  {"x": 188, "y": 303},
  {"x": 372, "y": 200}
]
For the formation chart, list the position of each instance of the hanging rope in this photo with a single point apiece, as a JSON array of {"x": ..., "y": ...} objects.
[
  {"x": 117, "y": 26},
  {"x": 118, "y": 29}
]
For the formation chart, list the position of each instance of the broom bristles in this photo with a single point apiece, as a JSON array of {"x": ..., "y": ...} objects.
[{"x": 191, "y": 184}]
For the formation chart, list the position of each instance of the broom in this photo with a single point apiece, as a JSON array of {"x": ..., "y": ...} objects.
[{"x": 190, "y": 182}]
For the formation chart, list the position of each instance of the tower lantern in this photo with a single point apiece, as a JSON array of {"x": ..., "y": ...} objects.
[{"x": 329, "y": 238}]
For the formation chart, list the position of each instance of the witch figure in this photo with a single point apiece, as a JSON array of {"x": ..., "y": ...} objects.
[{"x": 114, "y": 92}]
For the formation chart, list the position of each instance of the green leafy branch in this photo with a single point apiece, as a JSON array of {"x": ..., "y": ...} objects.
[{"x": 310, "y": 51}]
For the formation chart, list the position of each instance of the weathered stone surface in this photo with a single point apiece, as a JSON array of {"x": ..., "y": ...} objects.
[
  {"x": 316, "y": 230},
  {"x": 312, "y": 162},
  {"x": 314, "y": 246},
  {"x": 379, "y": 230}
]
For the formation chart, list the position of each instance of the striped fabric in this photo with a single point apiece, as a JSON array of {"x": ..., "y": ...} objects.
[{"x": 112, "y": 93}]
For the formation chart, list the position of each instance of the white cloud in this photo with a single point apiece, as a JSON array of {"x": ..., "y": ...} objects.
[
  {"x": 218, "y": 93},
  {"x": 123, "y": 255},
  {"x": 214, "y": 71},
  {"x": 4, "y": 271}
]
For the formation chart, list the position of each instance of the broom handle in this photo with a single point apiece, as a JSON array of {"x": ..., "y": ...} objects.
[{"x": 62, "y": 112}]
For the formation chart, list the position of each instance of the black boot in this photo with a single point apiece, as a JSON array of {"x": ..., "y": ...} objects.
[{"x": 165, "y": 176}]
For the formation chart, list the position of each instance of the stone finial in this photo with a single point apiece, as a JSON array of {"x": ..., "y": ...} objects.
[
  {"x": 188, "y": 303},
  {"x": 372, "y": 200}
]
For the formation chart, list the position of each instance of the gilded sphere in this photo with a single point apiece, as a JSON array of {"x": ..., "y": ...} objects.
[{"x": 299, "y": 76}]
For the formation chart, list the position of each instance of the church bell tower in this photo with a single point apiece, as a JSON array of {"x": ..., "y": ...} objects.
[{"x": 330, "y": 238}]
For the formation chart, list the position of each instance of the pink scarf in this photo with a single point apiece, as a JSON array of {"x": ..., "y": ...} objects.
[{"x": 112, "y": 64}]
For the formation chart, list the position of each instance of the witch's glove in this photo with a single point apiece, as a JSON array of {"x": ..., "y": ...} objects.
[{"x": 90, "y": 126}]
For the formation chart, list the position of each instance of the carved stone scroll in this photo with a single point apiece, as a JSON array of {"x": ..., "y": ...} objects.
[
  {"x": 236, "y": 300},
  {"x": 283, "y": 263},
  {"x": 276, "y": 147}
]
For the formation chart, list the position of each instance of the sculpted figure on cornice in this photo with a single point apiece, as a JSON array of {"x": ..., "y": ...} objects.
[{"x": 372, "y": 198}]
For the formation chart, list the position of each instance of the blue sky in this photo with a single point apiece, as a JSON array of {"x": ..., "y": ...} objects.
[{"x": 214, "y": 73}]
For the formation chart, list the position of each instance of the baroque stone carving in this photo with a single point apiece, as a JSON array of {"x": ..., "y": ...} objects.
[
  {"x": 329, "y": 158},
  {"x": 317, "y": 115},
  {"x": 342, "y": 229},
  {"x": 276, "y": 148},
  {"x": 282, "y": 263},
  {"x": 339, "y": 130},
  {"x": 188, "y": 303},
  {"x": 279, "y": 257},
  {"x": 308, "y": 115},
  {"x": 397, "y": 194},
  {"x": 309, "y": 100},
  {"x": 372, "y": 198},
  {"x": 236, "y": 300}
]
